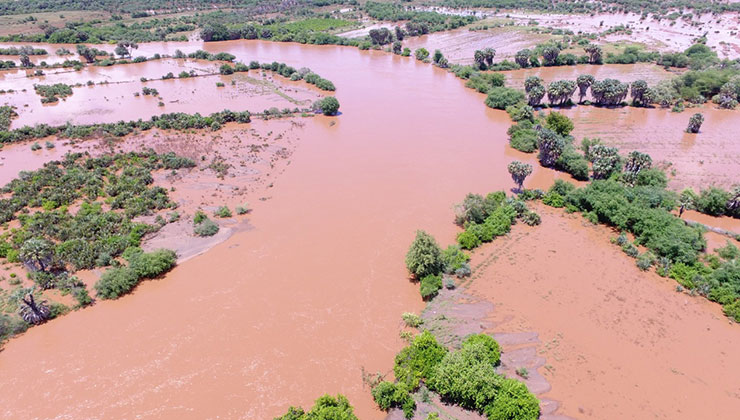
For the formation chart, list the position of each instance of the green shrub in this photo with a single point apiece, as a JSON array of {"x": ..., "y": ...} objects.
[
  {"x": 559, "y": 123},
  {"x": 329, "y": 105},
  {"x": 468, "y": 240},
  {"x": 466, "y": 377},
  {"x": 326, "y": 407},
  {"x": 453, "y": 259},
  {"x": 411, "y": 319},
  {"x": 152, "y": 264},
  {"x": 732, "y": 310},
  {"x": 645, "y": 261},
  {"x": 553, "y": 199},
  {"x": 389, "y": 395},
  {"x": 493, "y": 351},
  {"x": 116, "y": 282},
  {"x": 513, "y": 402},
  {"x": 424, "y": 257},
  {"x": 207, "y": 227},
  {"x": 222, "y": 212},
  {"x": 502, "y": 97},
  {"x": 712, "y": 201},
  {"x": 418, "y": 361},
  {"x": 430, "y": 286},
  {"x": 630, "y": 250}
]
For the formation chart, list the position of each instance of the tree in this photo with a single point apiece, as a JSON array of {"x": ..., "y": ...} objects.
[
  {"x": 594, "y": 53},
  {"x": 424, "y": 257},
  {"x": 559, "y": 92},
  {"x": 25, "y": 61},
  {"x": 641, "y": 94},
  {"x": 606, "y": 161},
  {"x": 488, "y": 55},
  {"x": 397, "y": 47},
  {"x": 551, "y": 146},
  {"x": 123, "y": 50},
  {"x": 535, "y": 95},
  {"x": 550, "y": 55},
  {"x": 36, "y": 254},
  {"x": 609, "y": 92},
  {"x": 519, "y": 171},
  {"x": 584, "y": 82},
  {"x": 522, "y": 58},
  {"x": 480, "y": 59},
  {"x": 329, "y": 105},
  {"x": 399, "y": 33},
  {"x": 421, "y": 54},
  {"x": 31, "y": 311},
  {"x": 87, "y": 53},
  {"x": 381, "y": 36},
  {"x": 437, "y": 56},
  {"x": 695, "y": 123},
  {"x": 531, "y": 82},
  {"x": 559, "y": 123},
  {"x": 636, "y": 162}
]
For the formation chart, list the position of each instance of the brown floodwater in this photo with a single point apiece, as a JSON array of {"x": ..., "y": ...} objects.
[
  {"x": 711, "y": 157},
  {"x": 312, "y": 293},
  {"x": 619, "y": 343},
  {"x": 298, "y": 305},
  {"x": 111, "y": 97}
]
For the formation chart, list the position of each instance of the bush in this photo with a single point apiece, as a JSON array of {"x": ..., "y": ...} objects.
[
  {"x": 430, "y": 286},
  {"x": 222, "y": 212},
  {"x": 326, "y": 407},
  {"x": 389, "y": 395},
  {"x": 411, "y": 319},
  {"x": 468, "y": 240},
  {"x": 466, "y": 377},
  {"x": 554, "y": 199},
  {"x": 453, "y": 259},
  {"x": 152, "y": 264},
  {"x": 424, "y": 257},
  {"x": 531, "y": 218},
  {"x": 207, "y": 227},
  {"x": 486, "y": 341},
  {"x": 116, "y": 282},
  {"x": 418, "y": 361},
  {"x": 559, "y": 123},
  {"x": 329, "y": 105},
  {"x": 513, "y": 402},
  {"x": 502, "y": 97},
  {"x": 712, "y": 201},
  {"x": 645, "y": 261}
]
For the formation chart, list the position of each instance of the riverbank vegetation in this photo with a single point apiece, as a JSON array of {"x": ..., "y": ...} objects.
[
  {"x": 81, "y": 213},
  {"x": 174, "y": 121},
  {"x": 325, "y": 408}
]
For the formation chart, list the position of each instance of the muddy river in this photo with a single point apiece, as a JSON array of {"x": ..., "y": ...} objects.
[{"x": 312, "y": 293}]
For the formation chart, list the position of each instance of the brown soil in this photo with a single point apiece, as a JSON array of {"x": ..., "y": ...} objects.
[{"x": 618, "y": 342}]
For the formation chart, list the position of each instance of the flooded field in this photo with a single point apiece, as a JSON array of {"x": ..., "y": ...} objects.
[
  {"x": 307, "y": 292},
  {"x": 618, "y": 342},
  {"x": 711, "y": 157}
]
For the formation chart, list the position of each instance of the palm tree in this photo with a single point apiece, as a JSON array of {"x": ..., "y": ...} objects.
[
  {"x": 37, "y": 254},
  {"x": 31, "y": 311}
]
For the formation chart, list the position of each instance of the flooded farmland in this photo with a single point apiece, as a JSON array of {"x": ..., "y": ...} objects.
[{"x": 309, "y": 295}]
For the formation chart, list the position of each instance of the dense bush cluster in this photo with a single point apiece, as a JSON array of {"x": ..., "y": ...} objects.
[
  {"x": 173, "y": 121},
  {"x": 52, "y": 93},
  {"x": 429, "y": 264},
  {"x": 24, "y": 50},
  {"x": 485, "y": 218},
  {"x": 53, "y": 240},
  {"x": 7, "y": 113},
  {"x": 118, "y": 281},
  {"x": 325, "y": 408},
  {"x": 466, "y": 377},
  {"x": 284, "y": 70}
]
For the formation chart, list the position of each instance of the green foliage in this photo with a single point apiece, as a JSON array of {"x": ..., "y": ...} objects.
[
  {"x": 488, "y": 343},
  {"x": 468, "y": 240},
  {"x": 430, "y": 286},
  {"x": 553, "y": 199},
  {"x": 389, "y": 395},
  {"x": 502, "y": 97},
  {"x": 417, "y": 362},
  {"x": 329, "y": 105},
  {"x": 523, "y": 136},
  {"x": 453, "y": 259},
  {"x": 325, "y": 408},
  {"x": 152, "y": 264},
  {"x": 424, "y": 257},
  {"x": 411, "y": 319},
  {"x": 222, "y": 212},
  {"x": 559, "y": 123},
  {"x": 519, "y": 172},
  {"x": 116, "y": 282},
  {"x": 712, "y": 201},
  {"x": 206, "y": 227},
  {"x": 513, "y": 402}
]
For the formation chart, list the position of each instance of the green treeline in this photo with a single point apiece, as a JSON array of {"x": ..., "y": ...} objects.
[{"x": 173, "y": 121}]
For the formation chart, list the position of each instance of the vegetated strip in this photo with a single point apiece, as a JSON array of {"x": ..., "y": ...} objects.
[{"x": 53, "y": 241}]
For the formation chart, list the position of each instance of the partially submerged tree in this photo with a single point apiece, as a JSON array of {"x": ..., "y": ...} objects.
[
  {"x": 519, "y": 172},
  {"x": 37, "y": 254},
  {"x": 606, "y": 161},
  {"x": 488, "y": 55},
  {"x": 636, "y": 162},
  {"x": 551, "y": 146},
  {"x": 30, "y": 310},
  {"x": 584, "y": 82},
  {"x": 425, "y": 256},
  {"x": 381, "y": 36},
  {"x": 695, "y": 123},
  {"x": 559, "y": 92},
  {"x": 550, "y": 55},
  {"x": 609, "y": 92},
  {"x": 594, "y": 53},
  {"x": 522, "y": 58}
]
